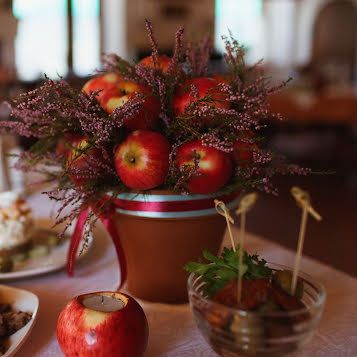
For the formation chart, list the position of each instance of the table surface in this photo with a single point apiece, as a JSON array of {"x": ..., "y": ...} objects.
[{"x": 172, "y": 328}]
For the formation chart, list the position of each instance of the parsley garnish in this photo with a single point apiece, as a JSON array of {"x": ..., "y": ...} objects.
[{"x": 220, "y": 270}]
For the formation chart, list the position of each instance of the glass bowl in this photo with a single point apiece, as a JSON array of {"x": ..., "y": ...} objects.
[{"x": 234, "y": 332}]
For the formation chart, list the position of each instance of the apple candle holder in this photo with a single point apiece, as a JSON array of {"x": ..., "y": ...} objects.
[
  {"x": 102, "y": 324},
  {"x": 159, "y": 233}
]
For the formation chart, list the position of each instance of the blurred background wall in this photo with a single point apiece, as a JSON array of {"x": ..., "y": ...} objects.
[
  {"x": 312, "y": 41},
  {"x": 42, "y": 34}
]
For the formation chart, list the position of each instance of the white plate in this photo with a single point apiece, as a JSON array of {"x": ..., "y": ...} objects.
[
  {"x": 20, "y": 300},
  {"x": 55, "y": 260}
]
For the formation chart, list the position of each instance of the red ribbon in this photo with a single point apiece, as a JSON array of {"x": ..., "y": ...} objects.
[
  {"x": 110, "y": 226},
  {"x": 171, "y": 206},
  {"x": 107, "y": 220},
  {"x": 131, "y": 205},
  {"x": 75, "y": 240}
]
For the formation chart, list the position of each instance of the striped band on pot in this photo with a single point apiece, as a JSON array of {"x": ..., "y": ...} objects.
[{"x": 171, "y": 205}]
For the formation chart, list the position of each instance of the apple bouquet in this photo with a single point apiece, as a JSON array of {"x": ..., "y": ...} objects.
[{"x": 163, "y": 123}]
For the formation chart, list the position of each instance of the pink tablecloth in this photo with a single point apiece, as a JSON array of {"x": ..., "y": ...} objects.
[{"x": 172, "y": 330}]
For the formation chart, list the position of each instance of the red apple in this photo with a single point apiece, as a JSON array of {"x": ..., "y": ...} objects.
[
  {"x": 163, "y": 63},
  {"x": 86, "y": 332},
  {"x": 142, "y": 159},
  {"x": 204, "y": 87},
  {"x": 105, "y": 83},
  {"x": 78, "y": 161},
  {"x": 214, "y": 166},
  {"x": 222, "y": 78},
  {"x": 65, "y": 142},
  {"x": 242, "y": 154},
  {"x": 62, "y": 148},
  {"x": 147, "y": 116}
]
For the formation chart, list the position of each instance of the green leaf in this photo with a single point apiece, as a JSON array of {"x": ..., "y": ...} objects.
[
  {"x": 197, "y": 268},
  {"x": 214, "y": 287},
  {"x": 207, "y": 255},
  {"x": 226, "y": 274},
  {"x": 220, "y": 270}
]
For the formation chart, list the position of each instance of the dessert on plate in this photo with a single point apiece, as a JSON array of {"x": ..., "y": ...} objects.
[
  {"x": 16, "y": 223},
  {"x": 20, "y": 237}
]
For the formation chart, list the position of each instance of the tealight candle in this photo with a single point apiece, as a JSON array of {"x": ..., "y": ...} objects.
[{"x": 103, "y": 303}]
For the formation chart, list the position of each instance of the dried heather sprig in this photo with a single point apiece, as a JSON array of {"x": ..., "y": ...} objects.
[
  {"x": 154, "y": 45},
  {"x": 198, "y": 57},
  {"x": 175, "y": 67},
  {"x": 116, "y": 64}
]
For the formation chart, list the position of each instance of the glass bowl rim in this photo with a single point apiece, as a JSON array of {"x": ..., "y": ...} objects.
[{"x": 321, "y": 296}]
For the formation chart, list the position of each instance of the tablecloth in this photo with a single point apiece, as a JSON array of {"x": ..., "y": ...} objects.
[{"x": 172, "y": 329}]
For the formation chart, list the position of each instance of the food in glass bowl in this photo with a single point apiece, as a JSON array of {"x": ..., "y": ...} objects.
[{"x": 268, "y": 320}]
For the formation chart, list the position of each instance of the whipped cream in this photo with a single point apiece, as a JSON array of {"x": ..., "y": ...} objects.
[
  {"x": 8, "y": 198},
  {"x": 16, "y": 220}
]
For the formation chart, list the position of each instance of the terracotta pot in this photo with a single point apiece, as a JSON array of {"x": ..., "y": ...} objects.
[{"x": 157, "y": 245}]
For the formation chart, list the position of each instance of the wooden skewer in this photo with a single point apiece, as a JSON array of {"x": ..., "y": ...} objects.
[
  {"x": 303, "y": 200},
  {"x": 302, "y": 196},
  {"x": 246, "y": 203},
  {"x": 240, "y": 255},
  {"x": 223, "y": 211}
]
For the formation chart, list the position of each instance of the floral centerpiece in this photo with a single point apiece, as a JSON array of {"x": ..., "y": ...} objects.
[{"x": 166, "y": 124}]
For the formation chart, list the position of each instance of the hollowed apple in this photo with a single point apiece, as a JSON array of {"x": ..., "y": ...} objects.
[{"x": 86, "y": 329}]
